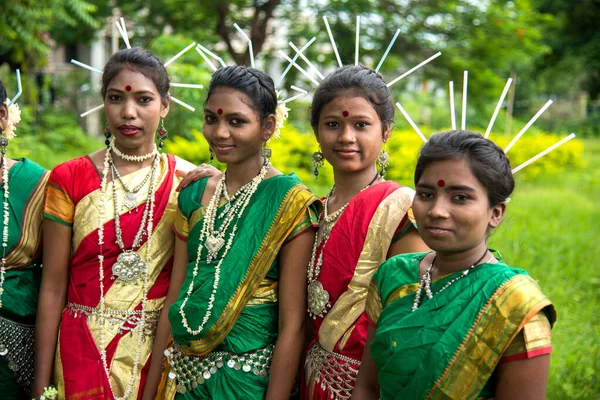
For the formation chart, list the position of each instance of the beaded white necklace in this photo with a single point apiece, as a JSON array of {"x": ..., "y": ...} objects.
[
  {"x": 130, "y": 158},
  {"x": 142, "y": 321},
  {"x": 215, "y": 239},
  {"x": 425, "y": 282},
  {"x": 5, "y": 221},
  {"x": 318, "y": 297}
]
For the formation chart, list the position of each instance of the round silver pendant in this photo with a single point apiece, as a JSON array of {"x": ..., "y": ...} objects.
[
  {"x": 3, "y": 350},
  {"x": 128, "y": 267},
  {"x": 318, "y": 299}
]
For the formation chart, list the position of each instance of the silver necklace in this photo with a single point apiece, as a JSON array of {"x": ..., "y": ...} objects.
[
  {"x": 318, "y": 297},
  {"x": 129, "y": 265},
  {"x": 131, "y": 195},
  {"x": 425, "y": 282}
]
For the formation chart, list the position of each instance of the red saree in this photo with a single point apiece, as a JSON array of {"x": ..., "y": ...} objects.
[
  {"x": 358, "y": 244},
  {"x": 73, "y": 196}
]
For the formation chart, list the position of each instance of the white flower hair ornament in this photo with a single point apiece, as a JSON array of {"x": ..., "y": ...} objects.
[
  {"x": 14, "y": 117},
  {"x": 281, "y": 115},
  {"x": 14, "y": 113}
]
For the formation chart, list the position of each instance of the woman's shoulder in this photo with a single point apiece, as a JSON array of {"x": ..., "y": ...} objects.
[{"x": 401, "y": 269}]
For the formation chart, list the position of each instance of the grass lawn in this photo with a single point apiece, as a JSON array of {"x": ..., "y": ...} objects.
[{"x": 551, "y": 230}]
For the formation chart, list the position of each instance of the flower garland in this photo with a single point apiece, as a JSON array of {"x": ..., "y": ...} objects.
[
  {"x": 281, "y": 115},
  {"x": 50, "y": 393},
  {"x": 14, "y": 117},
  {"x": 142, "y": 322}
]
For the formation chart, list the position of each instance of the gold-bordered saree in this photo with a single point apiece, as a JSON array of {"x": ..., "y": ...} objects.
[
  {"x": 450, "y": 346},
  {"x": 72, "y": 199},
  {"x": 244, "y": 317}
]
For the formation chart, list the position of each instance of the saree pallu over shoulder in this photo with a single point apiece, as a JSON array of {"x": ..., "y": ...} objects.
[
  {"x": 358, "y": 244},
  {"x": 22, "y": 276},
  {"x": 450, "y": 346},
  {"x": 73, "y": 199},
  {"x": 276, "y": 208}
]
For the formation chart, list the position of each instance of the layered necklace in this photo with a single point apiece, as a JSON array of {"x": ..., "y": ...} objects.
[
  {"x": 129, "y": 265},
  {"x": 5, "y": 220},
  {"x": 425, "y": 282},
  {"x": 140, "y": 265},
  {"x": 318, "y": 297},
  {"x": 214, "y": 239}
]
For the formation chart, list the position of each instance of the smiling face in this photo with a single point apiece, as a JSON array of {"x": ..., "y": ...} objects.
[
  {"x": 350, "y": 134},
  {"x": 451, "y": 207},
  {"x": 232, "y": 127},
  {"x": 134, "y": 108}
]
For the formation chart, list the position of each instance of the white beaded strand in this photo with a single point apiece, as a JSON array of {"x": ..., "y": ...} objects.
[
  {"x": 5, "y": 221},
  {"x": 128, "y": 157},
  {"x": 142, "y": 321},
  {"x": 209, "y": 231}
]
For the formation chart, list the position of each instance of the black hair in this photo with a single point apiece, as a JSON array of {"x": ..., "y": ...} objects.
[
  {"x": 2, "y": 93},
  {"x": 257, "y": 85},
  {"x": 355, "y": 80},
  {"x": 488, "y": 162},
  {"x": 139, "y": 60}
]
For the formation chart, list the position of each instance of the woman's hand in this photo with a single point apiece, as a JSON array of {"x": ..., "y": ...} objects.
[{"x": 201, "y": 171}]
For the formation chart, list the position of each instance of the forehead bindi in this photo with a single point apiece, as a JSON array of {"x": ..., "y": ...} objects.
[
  {"x": 128, "y": 88},
  {"x": 345, "y": 113},
  {"x": 220, "y": 111}
]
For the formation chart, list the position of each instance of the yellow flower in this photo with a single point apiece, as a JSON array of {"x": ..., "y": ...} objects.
[{"x": 14, "y": 117}]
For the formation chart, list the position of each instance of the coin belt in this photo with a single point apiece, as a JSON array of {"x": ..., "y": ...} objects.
[{"x": 189, "y": 370}]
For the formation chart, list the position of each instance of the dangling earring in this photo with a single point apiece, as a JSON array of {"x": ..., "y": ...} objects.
[
  {"x": 211, "y": 156},
  {"x": 317, "y": 161},
  {"x": 383, "y": 160},
  {"x": 162, "y": 134},
  {"x": 265, "y": 152},
  {"x": 107, "y": 135}
]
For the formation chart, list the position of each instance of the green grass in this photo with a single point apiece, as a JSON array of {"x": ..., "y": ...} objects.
[{"x": 551, "y": 229}]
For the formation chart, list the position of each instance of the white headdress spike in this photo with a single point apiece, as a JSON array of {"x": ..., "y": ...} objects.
[
  {"x": 250, "y": 50},
  {"x": 187, "y": 85},
  {"x": 19, "y": 89},
  {"x": 452, "y": 110},
  {"x": 123, "y": 31},
  {"x": 498, "y": 106},
  {"x": 176, "y": 56},
  {"x": 88, "y": 67},
  {"x": 387, "y": 50},
  {"x": 287, "y": 69},
  {"x": 306, "y": 60},
  {"x": 213, "y": 55},
  {"x": 528, "y": 125},
  {"x": 463, "y": 119},
  {"x": 335, "y": 50},
  {"x": 299, "y": 68},
  {"x": 357, "y": 46},
  {"x": 413, "y": 69},
  {"x": 301, "y": 92},
  {"x": 126, "y": 37},
  {"x": 411, "y": 122},
  {"x": 93, "y": 110},
  {"x": 543, "y": 153},
  {"x": 181, "y": 103},
  {"x": 210, "y": 63}
]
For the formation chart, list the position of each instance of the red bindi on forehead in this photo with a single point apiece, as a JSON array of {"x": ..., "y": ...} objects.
[
  {"x": 220, "y": 111},
  {"x": 128, "y": 88},
  {"x": 441, "y": 183},
  {"x": 345, "y": 113}
]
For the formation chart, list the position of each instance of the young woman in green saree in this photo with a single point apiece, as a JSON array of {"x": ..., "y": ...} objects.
[
  {"x": 22, "y": 194},
  {"x": 238, "y": 288},
  {"x": 457, "y": 323}
]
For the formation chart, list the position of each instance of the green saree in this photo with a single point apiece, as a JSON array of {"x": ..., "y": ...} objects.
[
  {"x": 230, "y": 357},
  {"x": 26, "y": 182},
  {"x": 450, "y": 346}
]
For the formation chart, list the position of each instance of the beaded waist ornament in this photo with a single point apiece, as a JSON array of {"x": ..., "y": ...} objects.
[
  {"x": 189, "y": 370},
  {"x": 334, "y": 372}
]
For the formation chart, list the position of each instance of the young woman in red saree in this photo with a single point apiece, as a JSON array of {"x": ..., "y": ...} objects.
[
  {"x": 365, "y": 220},
  {"x": 108, "y": 243}
]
